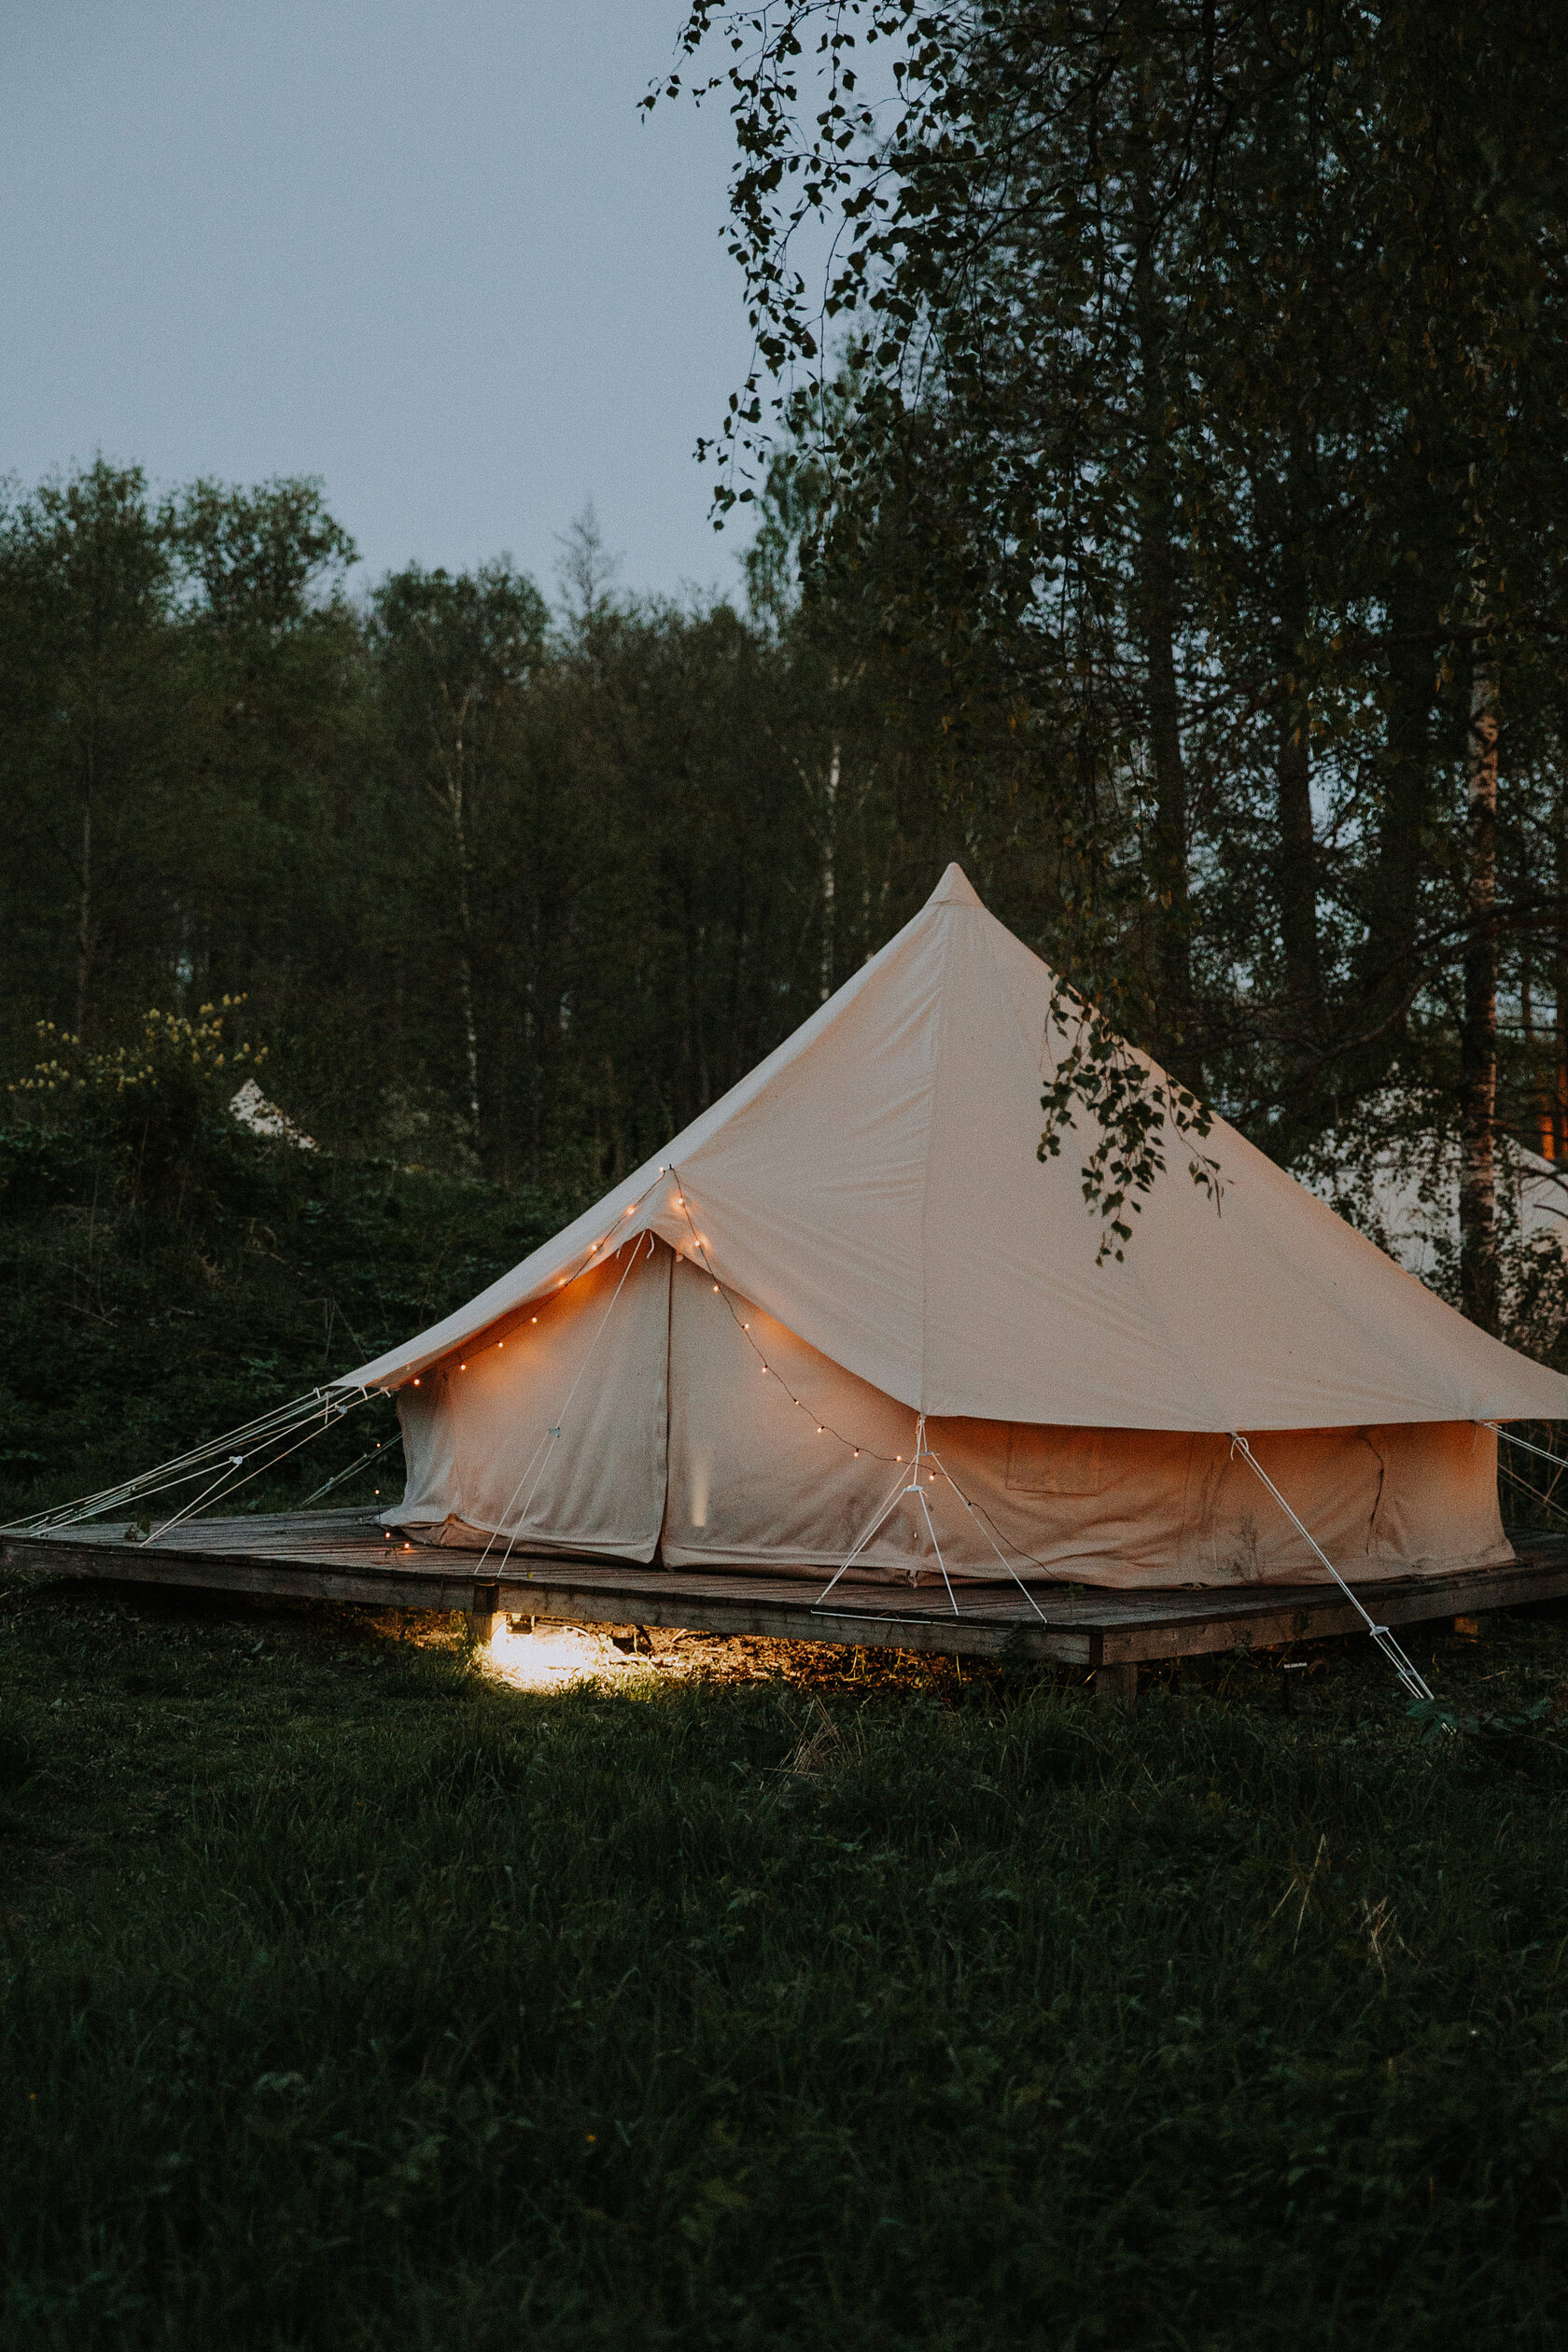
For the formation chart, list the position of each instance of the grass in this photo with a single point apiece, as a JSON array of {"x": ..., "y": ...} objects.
[
  {"x": 352, "y": 1999},
  {"x": 128, "y": 1333}
]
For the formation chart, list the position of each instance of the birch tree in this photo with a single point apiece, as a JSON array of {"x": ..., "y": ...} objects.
[{"x": 453, "y": 654}]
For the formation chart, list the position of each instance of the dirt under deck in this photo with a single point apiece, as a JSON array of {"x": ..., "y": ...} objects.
[{"x": 345, "y": 1555}]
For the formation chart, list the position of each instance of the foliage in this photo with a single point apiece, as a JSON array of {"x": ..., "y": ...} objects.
[
  {"x": 1136, "y": 1110},
  {"x": 350, "y": 1997},
  {"x": 138, "y": 1316},
  {"x": 1528, "y": 1723},
  {"x": 1181, "y": 382},
  {"x": 152, "y": 1105},
  {"x": 512, "y": 893}
]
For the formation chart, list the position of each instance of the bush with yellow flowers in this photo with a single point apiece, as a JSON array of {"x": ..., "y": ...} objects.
[{"x": 159, "y": 1105}]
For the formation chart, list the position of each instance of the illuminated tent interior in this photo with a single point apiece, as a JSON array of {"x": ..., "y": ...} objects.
[{"x": 857, "y": 1255}]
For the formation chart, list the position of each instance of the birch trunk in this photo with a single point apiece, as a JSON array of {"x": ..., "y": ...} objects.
[
  {"x": 1298, "y": 894},
  {"x": 465, "y": 979},
  {"x": 85, "y": 929},
  {"x": 1160, "y": 618},
  {"x": 454, "y": 772},
  {"x": 830, "y": 812},
  {"x": 1293, "y": 778},
  {"x": 1477, "y": 1183},
  {"x": 1170, "y": 778}
]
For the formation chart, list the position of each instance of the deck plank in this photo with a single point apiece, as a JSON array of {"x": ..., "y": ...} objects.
[{"x": 343, "y": 1554}]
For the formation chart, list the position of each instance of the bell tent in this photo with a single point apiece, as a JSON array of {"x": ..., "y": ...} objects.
[{"x": 856, "y": 1263}]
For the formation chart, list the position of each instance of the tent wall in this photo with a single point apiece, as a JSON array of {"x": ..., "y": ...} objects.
[
  {"x": 752, "y": 1482},
  {"x": 478, "y": 1443},
  {"x": 675, "y": 1438}
]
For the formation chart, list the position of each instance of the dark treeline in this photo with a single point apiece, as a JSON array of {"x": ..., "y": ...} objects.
[{"x": 506, "y": 890}]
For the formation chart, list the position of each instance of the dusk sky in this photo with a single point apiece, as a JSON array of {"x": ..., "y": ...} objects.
[{"x": 433, "y": 253}]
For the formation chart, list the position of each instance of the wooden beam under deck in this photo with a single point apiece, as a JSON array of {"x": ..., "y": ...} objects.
[{"x": 343, "y": 1555}]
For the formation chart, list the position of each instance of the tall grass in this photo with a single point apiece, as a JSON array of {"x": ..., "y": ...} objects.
[{"x": 432, "y": 2014}]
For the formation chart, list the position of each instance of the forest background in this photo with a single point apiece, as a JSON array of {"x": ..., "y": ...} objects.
[{"x": 1158, "y": 497}]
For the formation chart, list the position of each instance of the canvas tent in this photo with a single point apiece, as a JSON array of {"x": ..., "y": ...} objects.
[{"x": 725, "y": 1361}]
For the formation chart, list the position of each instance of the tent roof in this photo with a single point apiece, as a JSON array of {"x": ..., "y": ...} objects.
[{"x": 875, "y": 1184}]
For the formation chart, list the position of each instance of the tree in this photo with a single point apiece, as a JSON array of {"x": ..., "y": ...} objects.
[
  {"x": 1212, "y": 351},
  {"x": 454, "y": 655},
  {"x": 89, "y": 682}
]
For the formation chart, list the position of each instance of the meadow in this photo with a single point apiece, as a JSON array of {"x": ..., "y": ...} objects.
[
  {"x": 353, "y": 1998},
  {"x": 765, "y": 1996}
]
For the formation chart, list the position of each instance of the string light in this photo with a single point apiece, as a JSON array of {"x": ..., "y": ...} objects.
[
  {"x": 823, "y": 1429},
  {"x": 700, "y": 1245},
  {"x": 593, "y": 1247}
]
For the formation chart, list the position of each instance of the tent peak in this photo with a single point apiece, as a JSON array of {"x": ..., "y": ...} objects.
[{"x": 955, "y": 889}]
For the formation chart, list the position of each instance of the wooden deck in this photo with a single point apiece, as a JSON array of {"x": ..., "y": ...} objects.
[{"x": 343, "y": 1555}]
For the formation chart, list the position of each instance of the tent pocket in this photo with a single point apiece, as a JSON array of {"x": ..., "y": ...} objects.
[{"x": 1043, "y": 1459}]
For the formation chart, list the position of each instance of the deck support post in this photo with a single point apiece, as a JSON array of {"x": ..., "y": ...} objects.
[
  {"x": 1116, "y": 1686},
  {"x": 484, "y": 1613}
]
